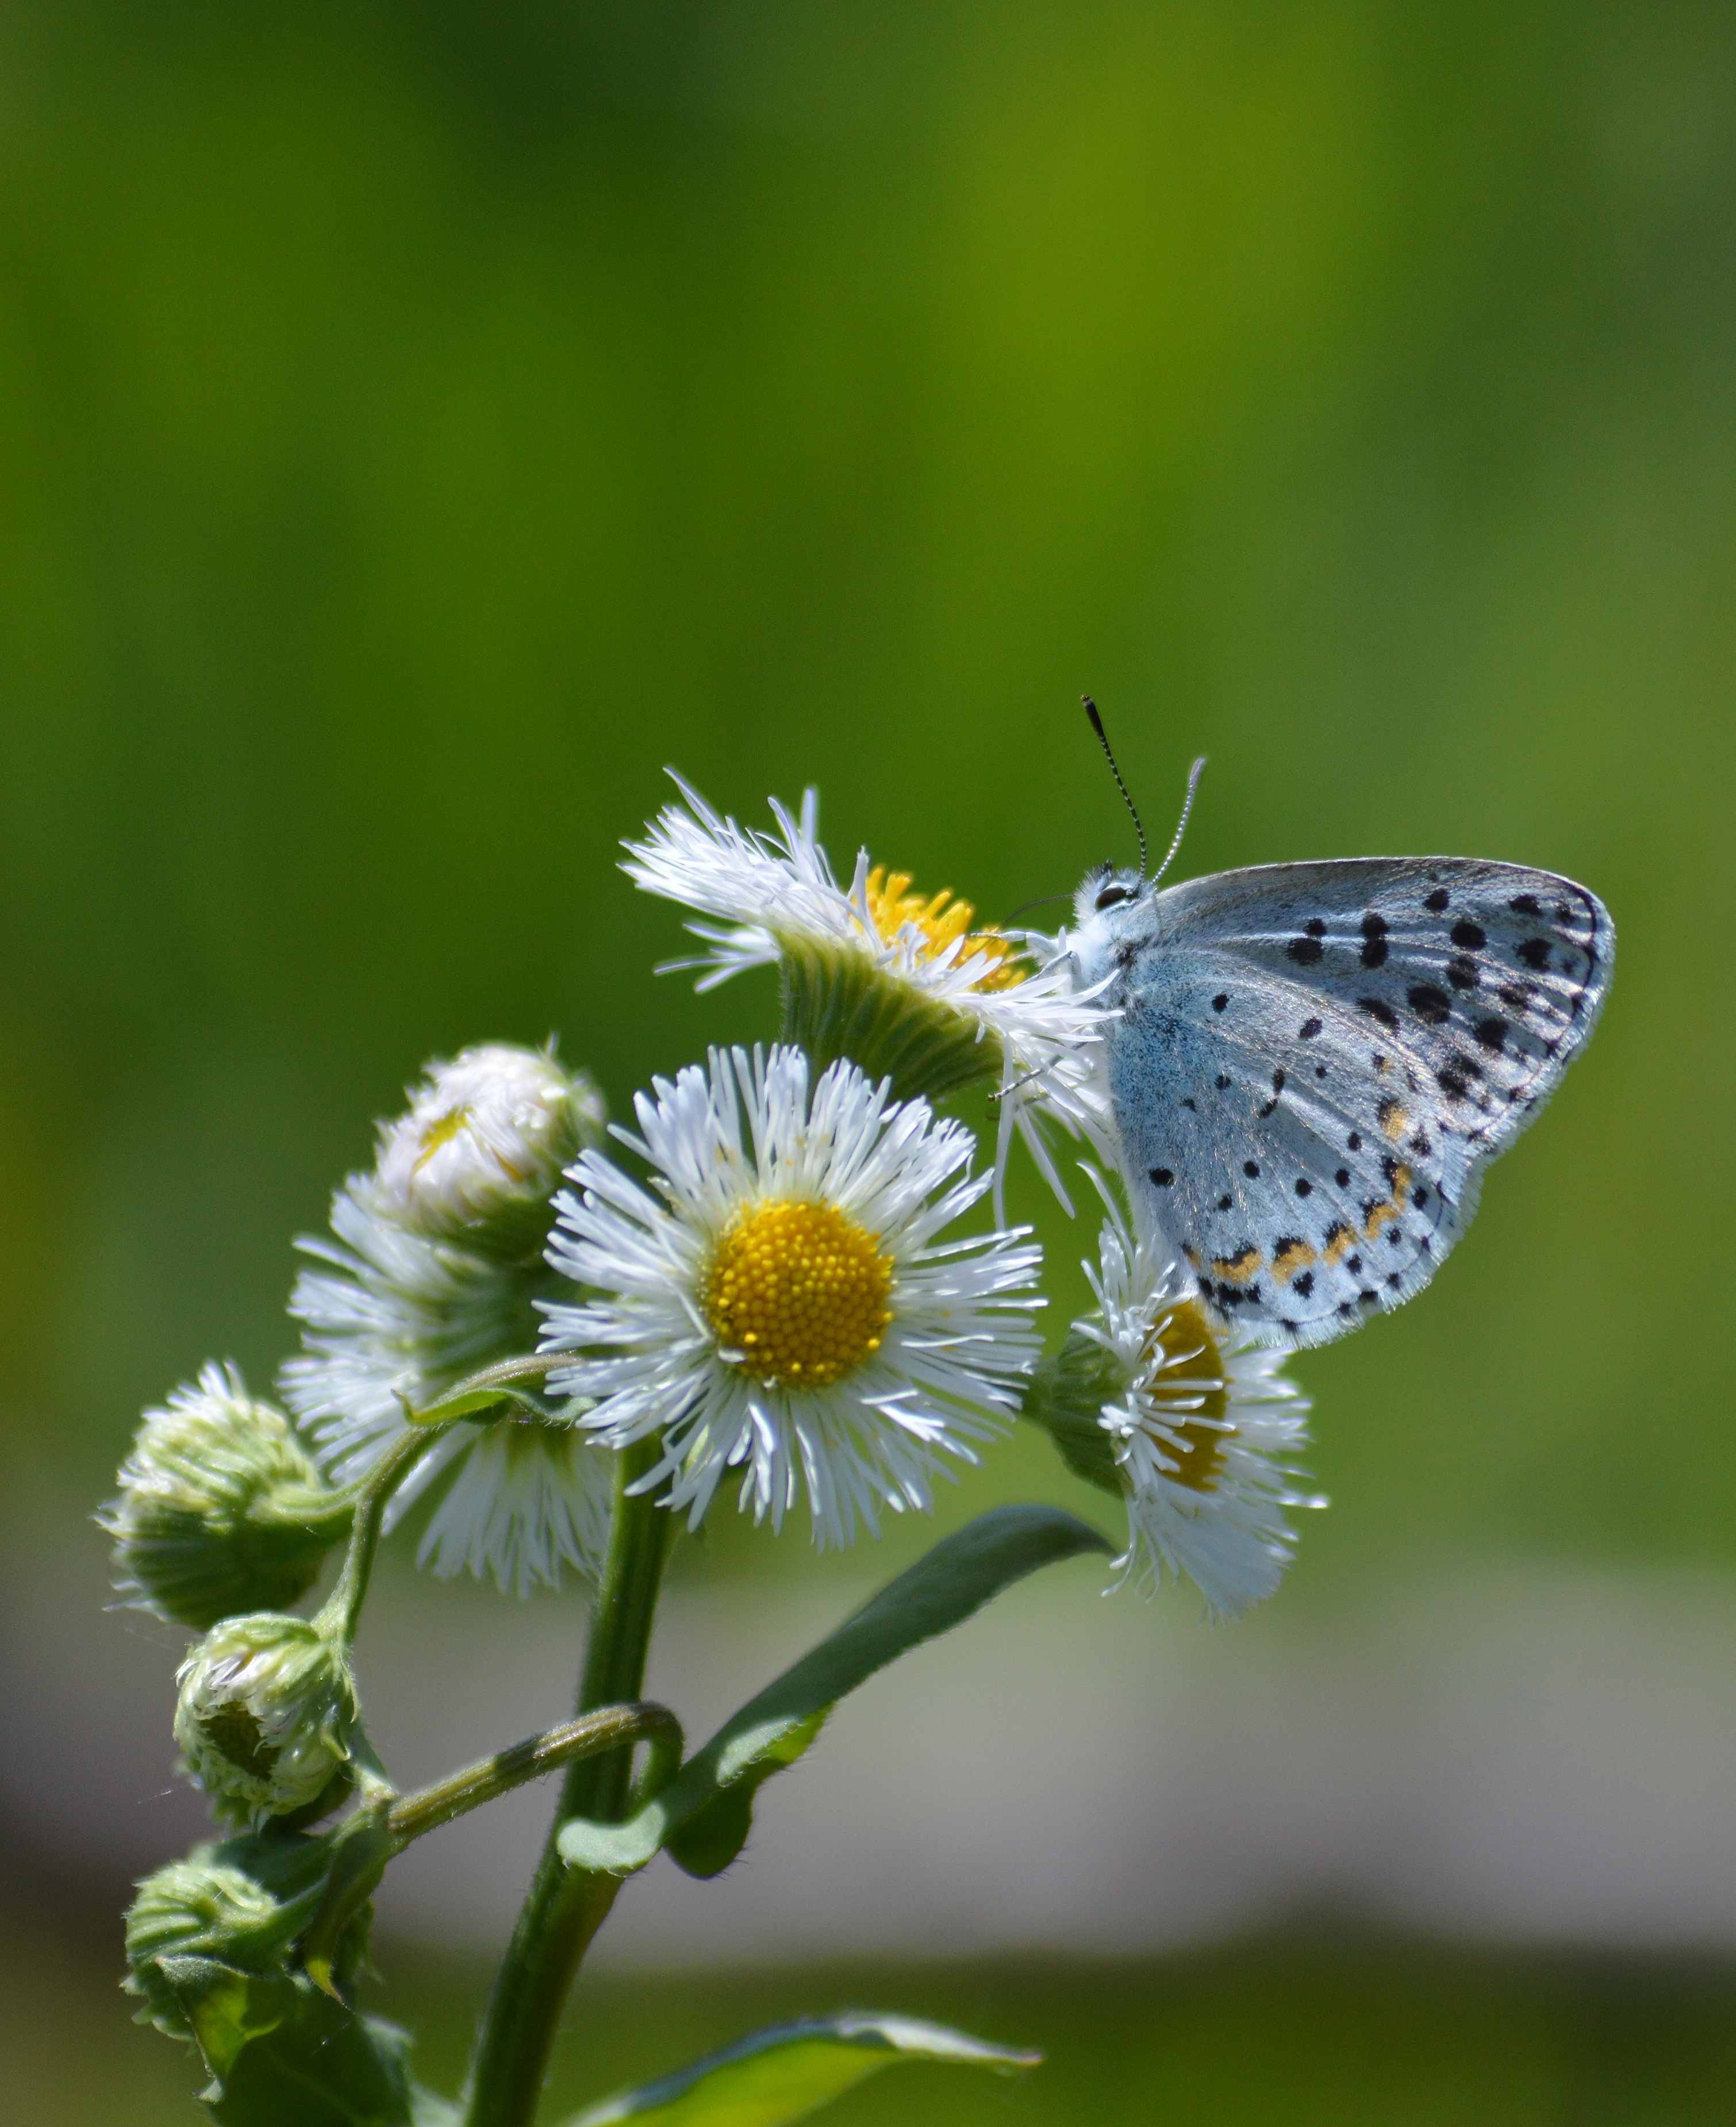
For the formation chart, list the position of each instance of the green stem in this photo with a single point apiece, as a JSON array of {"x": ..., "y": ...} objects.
[
  {"x": 342, "y": 1612},
  {"x": 565, "y": 1906},
  {"x": 607, "y": 1729}
]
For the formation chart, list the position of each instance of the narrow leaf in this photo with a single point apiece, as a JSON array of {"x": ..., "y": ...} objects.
[
  {"x": 790, "y": 2071},
  {"x": 513, "y": 1381},
  {"x": 941, "y": 1590}
]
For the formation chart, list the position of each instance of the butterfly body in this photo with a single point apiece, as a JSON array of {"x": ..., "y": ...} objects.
[{"x": 1314, "y": 1062}]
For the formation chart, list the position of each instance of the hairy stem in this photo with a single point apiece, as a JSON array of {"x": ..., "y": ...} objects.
[
  {"x": 411, "y": 1815},
  {"x": 565, "y": 1906},
  {"x": 342, "y": 1612}
]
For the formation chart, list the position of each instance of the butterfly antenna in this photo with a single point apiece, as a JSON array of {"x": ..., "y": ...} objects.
[
  {"x": 1102, "y": 740},
  {"x": 1181, "y": 825}
]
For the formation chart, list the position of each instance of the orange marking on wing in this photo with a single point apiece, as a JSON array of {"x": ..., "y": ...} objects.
[
  {"x": 1297, "y": 1256},
  {"x": 1239, "y": 1269},
  {"x": 1340, "y": 1240},
  {"x": 1382, "y": 1215}
]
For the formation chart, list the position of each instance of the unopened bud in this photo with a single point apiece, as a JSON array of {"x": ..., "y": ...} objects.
[
  {"x": 267, "y": 1719},
  {"x": 220, "y": 1509},
  {"x": 198, "y": 1907},
  {"x": 483, "y": 1146},
  {"x": 242, "y": 1905}
]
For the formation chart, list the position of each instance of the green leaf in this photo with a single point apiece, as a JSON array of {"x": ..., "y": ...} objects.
[
  {"x": 790, "y": 2071},
  {"x": 717, "y": 1831},
  {"x": 226, "y": 2009},
  {"x": 956, "y": 1578},
  {"x": 280, "y": 2053},
  {"x": 328, "y": 2068},
  {"x": 509, "y": 1382}
]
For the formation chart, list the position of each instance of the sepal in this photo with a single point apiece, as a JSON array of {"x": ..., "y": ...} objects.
[
  {"x": 1066, "y": 1396},
  {"x": 838, "y": 1001}
]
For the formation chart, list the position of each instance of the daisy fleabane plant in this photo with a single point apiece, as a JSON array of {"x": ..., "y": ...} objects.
[
  {"x": 906, "y": 985},
  {"x": 784, "y": 1304},
  {"x": 1191, "y": 1422},
  {"x": 785, "y": 1285}
]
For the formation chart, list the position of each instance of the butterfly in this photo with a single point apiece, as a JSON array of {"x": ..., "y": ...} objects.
[{"x": 1314, "y": 1062}]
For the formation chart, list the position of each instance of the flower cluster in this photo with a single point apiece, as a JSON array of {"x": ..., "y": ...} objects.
[{"x": 769, "y": 1281}]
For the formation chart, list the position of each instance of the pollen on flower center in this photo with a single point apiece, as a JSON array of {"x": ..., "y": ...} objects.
[
  {"x": 1190, "y": 1370},
  {"x": 942, "y": 921},
  {"x": 797, "y": 1293}
]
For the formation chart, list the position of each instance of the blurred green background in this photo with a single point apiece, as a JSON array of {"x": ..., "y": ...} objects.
[{"x": 416, "y": 426}]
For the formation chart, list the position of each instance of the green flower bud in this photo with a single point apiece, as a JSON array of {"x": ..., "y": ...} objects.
[
  {"x": 242, "y": 1904},
  {"x": 221, "y": 1511},
  {"x": 483, "y": 1147},
  {"x": 267, "y": 1719},
  {"x": 198, "y": 1907},
  {"x": 1066, "y": 1396}
]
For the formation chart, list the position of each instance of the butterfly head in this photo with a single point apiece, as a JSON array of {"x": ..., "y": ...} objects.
[{"x": 1108, "y": 906}]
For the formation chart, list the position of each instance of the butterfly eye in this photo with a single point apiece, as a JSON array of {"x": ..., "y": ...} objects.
[{"x": 1112, "y": 896}]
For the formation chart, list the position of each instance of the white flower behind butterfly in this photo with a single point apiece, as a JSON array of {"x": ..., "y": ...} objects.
[
  {"x": 1192, "y": 1424},
  {"x": 1204, "y": 1429},
  {"x": 784, "y": 1306},
  {"x": 905, "y": 985}
]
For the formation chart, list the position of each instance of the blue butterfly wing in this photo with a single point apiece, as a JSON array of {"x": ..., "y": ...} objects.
[{"x": 1317, "y": 1060}]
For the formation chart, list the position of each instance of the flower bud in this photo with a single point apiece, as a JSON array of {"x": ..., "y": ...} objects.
[
  {"x": 242, "y": 1905},
  {"x": 199, "y": 1907},
  {"x": 220, "y": 1509},
  {"x": 266, "y": 1719},
  {"x": 483, "y": 1146}
]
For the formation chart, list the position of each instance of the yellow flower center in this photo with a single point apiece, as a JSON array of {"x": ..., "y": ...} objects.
[
  {"x": 1184, "y": 1346},
  {"x": 942, "y": 921},
  {"x": 797, "y": 1293}
]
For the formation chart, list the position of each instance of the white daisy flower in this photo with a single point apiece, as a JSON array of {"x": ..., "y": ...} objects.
[
  {"x": 1191, "y": 1422},
  {"x": 903, "y": 984},
  {"x": 788, "y": 1308},
  {"x": 392, "y": 1318}
]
